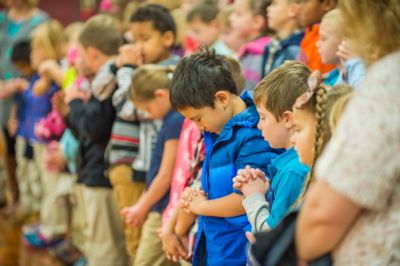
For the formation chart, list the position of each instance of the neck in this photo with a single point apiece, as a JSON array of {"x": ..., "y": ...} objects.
[
  {"x": 287, "y": 30},
  {"x": 288, "y": 145},
  {"x": 21, "y": 12},
  {"x": 238, "y": 105},
  {"x": 102, "y": 60},
  {"x": 253, "y": 36}
]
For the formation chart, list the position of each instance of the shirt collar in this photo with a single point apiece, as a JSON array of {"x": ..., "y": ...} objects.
[{"x": 280, "y": 161}]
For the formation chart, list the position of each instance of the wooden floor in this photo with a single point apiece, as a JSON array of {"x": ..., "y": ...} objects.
[{"x": 14, "y": 253}]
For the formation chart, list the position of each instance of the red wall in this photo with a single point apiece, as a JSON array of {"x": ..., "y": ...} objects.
[{"x": 66, "y": 11}]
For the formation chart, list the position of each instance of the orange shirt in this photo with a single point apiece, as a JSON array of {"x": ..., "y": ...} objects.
[{"x": 309, "y": 51}]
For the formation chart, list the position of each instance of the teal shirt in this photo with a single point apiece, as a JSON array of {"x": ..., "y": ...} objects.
[
  {"x": 12, "y": 32},
  {"x": 221, "y": 48},
  {"x": 287, "y": 176}
]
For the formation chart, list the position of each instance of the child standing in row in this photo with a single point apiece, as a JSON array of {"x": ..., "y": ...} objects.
[
  {"x": 316, "y": 116},
  {"x": 99, "y": 42},
  {"x": 133, "y": 134},
  {"x": 205, "y": 92},
  {"x": 310, "y": 15},
  {"x": 150, "y": 92},
  {"x": 31, "y": 170},
  {"x": 267, "y": 201},
  {"x": 350, "y": 69},
  {"x": 283, "y": 19},
  {"x": 203, "y": 25},
  {"x": 249, "y": 22}
]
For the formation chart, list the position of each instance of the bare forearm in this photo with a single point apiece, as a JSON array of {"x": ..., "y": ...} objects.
[
  {"x": 323, "y": 222},
  {"x": 228, "y": 206},
  {"x": 156, "y": 191},
  {"x": 171, "y": 222},
  {"x": 184, "y": 222}
]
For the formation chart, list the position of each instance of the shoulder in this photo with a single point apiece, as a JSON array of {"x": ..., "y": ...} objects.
[
  {"x": 39, "y": 17},
  {"x": 174, "y": 118}
]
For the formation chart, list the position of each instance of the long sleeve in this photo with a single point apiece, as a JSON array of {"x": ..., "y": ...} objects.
[
  {"x": 356, "y": 71},
  {"x": 257, "y": 210},
  {"x": 93, "y": 119}
]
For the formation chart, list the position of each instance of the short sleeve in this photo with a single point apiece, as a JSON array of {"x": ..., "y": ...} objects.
[
  {"x": 362, "y": 160},
  {"x": 172, "y": 127}
]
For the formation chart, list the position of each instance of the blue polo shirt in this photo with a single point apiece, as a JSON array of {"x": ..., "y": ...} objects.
[
  {"x": 240, "y": 143},
  {"x": 33, "y": 108},
  {"x": 170, "y": 129},
  {"x": 287, "y": 177}
]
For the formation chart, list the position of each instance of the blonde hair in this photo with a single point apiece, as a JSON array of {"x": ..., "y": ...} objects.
[
  {"x": 334, "y": 18},
  {"x": 223, "y": 16},
  {"x": 278, "y": 91},
  {"x": 237, "y": 74},
  {"x": 49, "y": 36},
  {"x": 149, "y": 78},
  {"x": 321, "y": 105},
  {"x": 337, "y": 109},
  {"x": 373, "y": 25},
  {"x": 259, "y": 7},
  {"x": 102, "y": 33},
  {"x": 31, "y": 3},
  {"x": 72, "y": 31}
]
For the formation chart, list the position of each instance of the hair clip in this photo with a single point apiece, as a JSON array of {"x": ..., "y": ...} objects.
[{"x": 314, "y": 80}]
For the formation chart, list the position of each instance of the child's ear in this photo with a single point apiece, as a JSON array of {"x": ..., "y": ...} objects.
[
  {"x": 168, "y": 39},
  {"x": 222, "y": 97},
  {"x": 329, "y": 5},
  {"x": 213, "y": 23},
  {"x": 288, "y": 117},
  {"x": 293, "y": 10},
  {"x": 161, "y": 93},
  {"x": 91, "y": 52},
  {"x": 259, "y": 22}
]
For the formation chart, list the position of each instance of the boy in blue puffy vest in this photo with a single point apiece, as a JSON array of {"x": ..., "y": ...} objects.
[{"x": 204, "y": 91}]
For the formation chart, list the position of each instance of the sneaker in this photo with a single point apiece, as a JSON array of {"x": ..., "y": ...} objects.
[
  {"x": 34, "y": 238},
  {"x": 66, "y": 252}
]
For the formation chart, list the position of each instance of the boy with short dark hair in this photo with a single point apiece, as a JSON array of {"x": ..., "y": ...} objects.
[
  {"x": 204, "y": 91},
  {"x": 133, "y": 135}
]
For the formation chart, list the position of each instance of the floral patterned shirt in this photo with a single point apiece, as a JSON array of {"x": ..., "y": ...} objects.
[{"x": 363, "y": 164}]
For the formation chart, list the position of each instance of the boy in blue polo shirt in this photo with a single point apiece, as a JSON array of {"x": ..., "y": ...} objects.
[
  {"x": 204, "y": 91},
  {"x": 267, "y": 201}
]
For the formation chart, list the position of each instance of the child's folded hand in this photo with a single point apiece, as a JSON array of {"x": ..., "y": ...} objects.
[
  {"x": 186, "y": 198},
  {"x": 255, "y": 186},
  {"x": 245, "y": 175},
  {"x": 197, "y": 199},
  {"x": 257, "y": 173},
  {"x": 129, "y": 54},
  {"x": 173, "y": 246},
  {"x": 238, "y": 181}
]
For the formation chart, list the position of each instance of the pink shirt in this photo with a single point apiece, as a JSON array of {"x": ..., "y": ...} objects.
[{"x": 186, "y": 151}]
